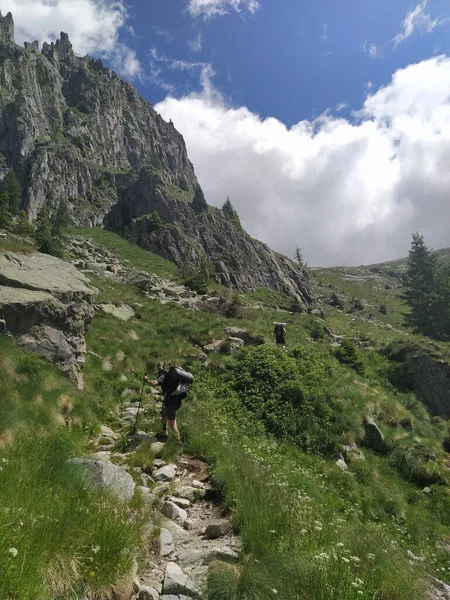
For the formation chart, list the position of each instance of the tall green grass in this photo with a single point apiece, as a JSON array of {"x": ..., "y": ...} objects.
[
  {"x": 58, "y": 539},
  {"x": 302, "y": 536}
]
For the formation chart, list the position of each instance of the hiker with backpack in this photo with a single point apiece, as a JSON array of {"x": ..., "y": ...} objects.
[
  {"x": 174, "y": 384},
  {"x": 280, "y": 334}
]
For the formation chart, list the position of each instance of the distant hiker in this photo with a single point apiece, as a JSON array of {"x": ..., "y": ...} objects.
[
  {"x": 174, "y": 383},
  {"x": 280, "y": 334}
]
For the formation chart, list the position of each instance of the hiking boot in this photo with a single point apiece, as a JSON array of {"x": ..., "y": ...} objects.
[{"x": 162, "y": 436}]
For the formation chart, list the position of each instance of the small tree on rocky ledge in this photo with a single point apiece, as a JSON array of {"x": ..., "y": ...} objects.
[
  {"x": 47, "y": 241},
  {"x": 11, "y": 186},
  {"x": 298, "y": 256},
  {"x": 199, "y": 203},
  {"x": 5, "y": 215},
  {"x": 231, "y": 213}
]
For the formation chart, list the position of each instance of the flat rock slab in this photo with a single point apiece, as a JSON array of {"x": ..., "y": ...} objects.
[
  {"x": 110, "y": 478},
  {"x": 190, "y": 557},
  {"x": 217, "y": 530},
  {"x": 124, "y": 312},
  {"x": 176, "y": 583},
  {"x": 42, "y": 272}
]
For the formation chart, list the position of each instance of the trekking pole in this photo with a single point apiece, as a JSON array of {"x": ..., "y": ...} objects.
[{"x": 139, "y": 406}]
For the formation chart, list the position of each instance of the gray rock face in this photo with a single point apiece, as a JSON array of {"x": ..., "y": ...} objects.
[
  {"x": 108, "y": 477},
  {"x": 47, "y": 305},
  {"x": 71, "y": 129}
]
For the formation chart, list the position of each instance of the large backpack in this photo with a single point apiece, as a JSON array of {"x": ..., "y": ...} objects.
[{"x": 176, "y": 383}]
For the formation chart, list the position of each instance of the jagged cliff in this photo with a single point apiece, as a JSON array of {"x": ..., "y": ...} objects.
[{"x": 72, "y": 130}]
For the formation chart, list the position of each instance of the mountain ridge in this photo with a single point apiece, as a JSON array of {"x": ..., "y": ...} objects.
[{"x": 72, "y": 130}]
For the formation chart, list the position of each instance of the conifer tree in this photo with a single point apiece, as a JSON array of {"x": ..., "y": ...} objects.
[
  {"x": 420, "y": 294},
  {"x": 199, "y": 203},
  {"x": 11, "y": 186},
  {"x": 5, "y": 216},
  {"x": 298, "y": 256},
  {"x": 230, "y": 212}
]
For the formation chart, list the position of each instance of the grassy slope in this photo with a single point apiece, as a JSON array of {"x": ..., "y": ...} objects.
[
  {"x": 57, "y": 540},
  {"x": 301, "y": 519},
  {"x": 365, "y": 509}
]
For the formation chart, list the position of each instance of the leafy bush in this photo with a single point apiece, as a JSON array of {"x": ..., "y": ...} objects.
[
  {"x": 349, "y": 354},
  {"x": 289, "y": 394},
  {"x": 197, "y": 283}
]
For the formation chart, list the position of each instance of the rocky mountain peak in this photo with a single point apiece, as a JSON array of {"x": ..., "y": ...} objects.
[
  {"x": 6, "y": 29},
  {"x": 72, "y": 130}
]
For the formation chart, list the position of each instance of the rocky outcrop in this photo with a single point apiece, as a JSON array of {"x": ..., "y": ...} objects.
[
  {"x": 422, "y": 369},
  {"x": 73, "y": 130},
  {"x": 47, "y": 305}
]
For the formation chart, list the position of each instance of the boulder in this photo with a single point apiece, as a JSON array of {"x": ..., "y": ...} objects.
[
  {"x": 190, "y": 493},
  {"x": 166, "y": 543},
  {"x": 190, "y": 557},
  {"x": 47, "y": 306},
  {"x": 341, "y": 464},
  {"x": 213, "y": 346},
  {"x": 217, "y": 530},
  {"x": 231, "y": 345},
  {"x": 248, "y": 338},
  {"x": 110, "y": 478},
  {"x": 174, "y": 512},
  {"x": 147, "y": 593},
  {"x": 224, "y": 554},
  {"x": 166, "y": 473},
  {"x": 177, "y": 583},
  {"x": 181, "y": 502},
  {"x": 124, "y": 312},
  {"x": 374, "y": 437},
  {"x": 157, "y": 449}
]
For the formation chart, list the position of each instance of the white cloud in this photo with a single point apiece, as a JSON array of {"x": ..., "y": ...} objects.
[
  {"x": 325, "y": 33},
  {"x": 347, "y": 192},
  {"x": 197, "y": 43},
  {"x": 416, "y": 19},
  {"x": 372, "y": 50},
  {"x": 93, "y": 27},
  {"x": 216, "y": 8}
]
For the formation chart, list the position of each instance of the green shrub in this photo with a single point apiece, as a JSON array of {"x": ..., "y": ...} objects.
[
  {"x": 289, "y": 394},
  {"x": 349, "y": 354}
]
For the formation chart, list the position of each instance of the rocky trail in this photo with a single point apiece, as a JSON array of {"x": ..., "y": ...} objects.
[{"x": 192, "y": 529}]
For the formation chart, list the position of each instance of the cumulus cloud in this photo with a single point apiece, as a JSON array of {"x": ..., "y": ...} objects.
[
  {"x": 93, "y": 27},
  {"x": 209, "y": 9},
  {"x": 416, "y": 19},
  {"x": 346, "y": 191}
]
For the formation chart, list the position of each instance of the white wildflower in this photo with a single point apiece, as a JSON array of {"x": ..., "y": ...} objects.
[{"x": 14, "y": 552}]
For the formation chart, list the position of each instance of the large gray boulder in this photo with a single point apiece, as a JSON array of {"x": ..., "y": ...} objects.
[
  {"x": 107, "y": 477},
  {"x": 47, "y": 305},
  {"x": 177, "y": 583}
]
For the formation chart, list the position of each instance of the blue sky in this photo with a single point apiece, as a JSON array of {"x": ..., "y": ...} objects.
[
  {"x": 292, "y": 59},
  {"x": 327, "y": 122}
]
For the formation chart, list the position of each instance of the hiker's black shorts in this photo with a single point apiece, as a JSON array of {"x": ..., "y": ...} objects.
[{"x": 170, "y": 407}]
